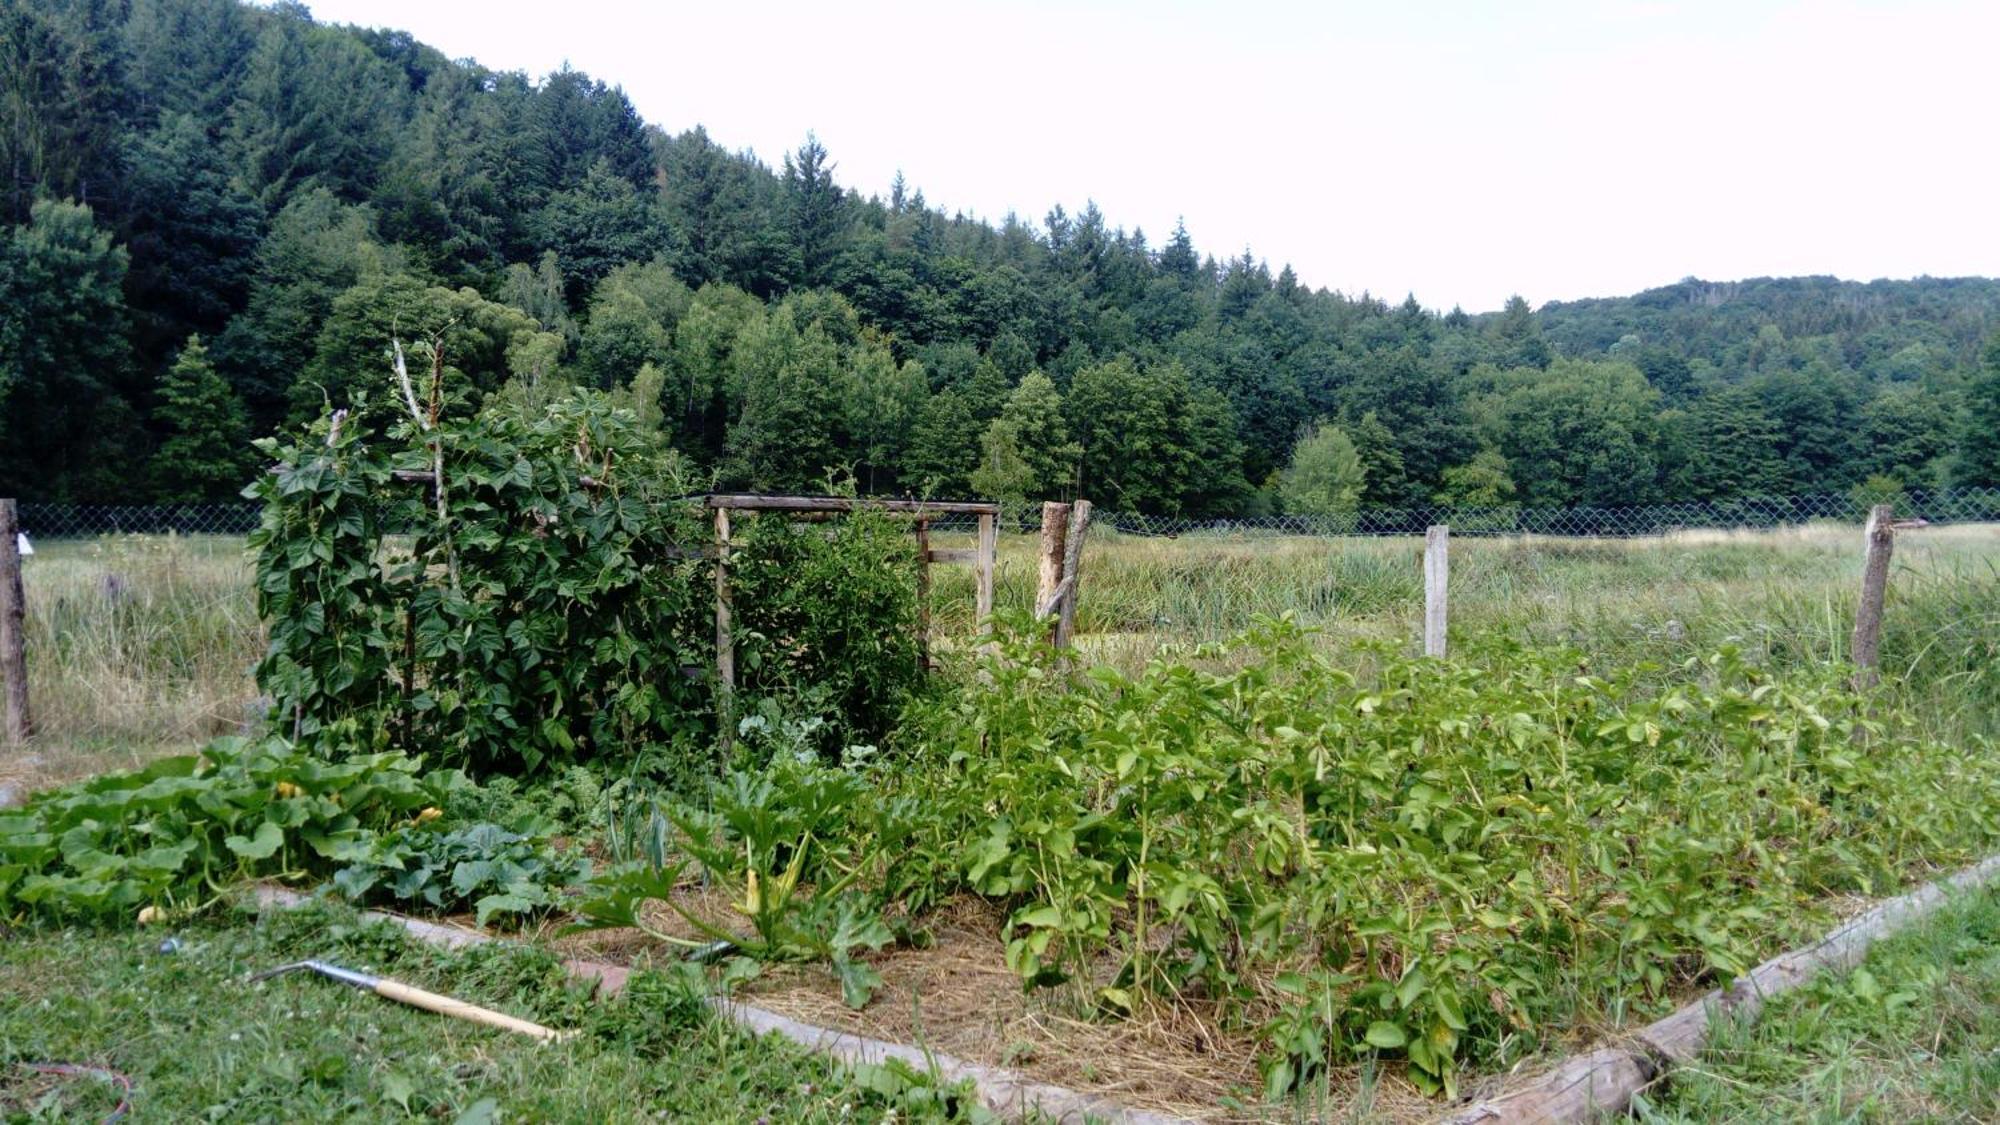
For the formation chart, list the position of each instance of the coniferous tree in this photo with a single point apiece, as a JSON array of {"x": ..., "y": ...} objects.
[{"x": 204, "y": 451}]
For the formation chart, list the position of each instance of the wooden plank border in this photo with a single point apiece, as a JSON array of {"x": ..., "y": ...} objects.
[{"x": 1602, "y": 1082}]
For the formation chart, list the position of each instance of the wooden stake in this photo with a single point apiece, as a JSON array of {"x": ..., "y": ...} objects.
[
  {"x": 13, "y": 629},
  {"x": 1055, "y": 528},
  {"x": 1437, "y": 573},
  {"x": 989, "y": 546},
  {"x": 1881, "y": 543},
  {"x": 725, "y": 644},
  {"x": 1079, "y": 522},
  {"x": 924, "y": 593}
]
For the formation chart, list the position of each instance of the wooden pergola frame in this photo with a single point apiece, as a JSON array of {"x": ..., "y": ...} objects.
[{"x": 921, "y": 512}]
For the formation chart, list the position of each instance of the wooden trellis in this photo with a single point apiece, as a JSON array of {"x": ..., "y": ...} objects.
[{"x": 921, "y": 512}]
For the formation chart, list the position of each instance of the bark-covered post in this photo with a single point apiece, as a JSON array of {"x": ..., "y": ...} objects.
[
  {"x": 13, "y": 636},
  {"x": 982, "y": 566},
  {"x": 725, "y": 643},
  {"x": 1079, "y": 522},
  {"x": 1055, "y": 528},
  {"x": 1437, "y": 574},
  {"x": 1881, "y": 543}
]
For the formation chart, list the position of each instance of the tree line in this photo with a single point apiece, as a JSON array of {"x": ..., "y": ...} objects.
[{"x": 216, "y": 218}]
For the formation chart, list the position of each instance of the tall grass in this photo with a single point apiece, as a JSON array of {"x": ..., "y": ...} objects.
[
  {"x": 139, "y": 645},
  {"x": 1785, "y": 597},
  {"x": 136, "y": 645}
]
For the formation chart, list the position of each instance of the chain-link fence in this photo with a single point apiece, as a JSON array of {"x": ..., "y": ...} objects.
[
  {"x": 1936, "y": 506},
  {"x": 84, "y": 521}
]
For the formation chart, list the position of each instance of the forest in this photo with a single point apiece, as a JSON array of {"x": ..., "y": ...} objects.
[{"x": 216, "y": 219}]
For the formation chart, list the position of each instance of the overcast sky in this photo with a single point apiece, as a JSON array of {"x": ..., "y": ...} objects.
[{"x": 1462, "y": 151}]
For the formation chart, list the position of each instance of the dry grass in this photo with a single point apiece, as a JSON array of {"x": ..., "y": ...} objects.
[
  {"x": 957, "y": 996},
  {"x": 137, "y": 646}
]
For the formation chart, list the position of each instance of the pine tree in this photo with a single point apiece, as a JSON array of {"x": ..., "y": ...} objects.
[{"x": 205, "y": 453}]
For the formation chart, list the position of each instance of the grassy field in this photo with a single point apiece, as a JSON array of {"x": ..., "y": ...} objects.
[
  {"x": 140, "y": 645},
  {"x": 198, "y": 1042},
  {"x": 137, "y": 646}
]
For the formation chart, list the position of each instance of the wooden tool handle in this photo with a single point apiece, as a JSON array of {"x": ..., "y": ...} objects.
[{"x": 459, "y": 1009}]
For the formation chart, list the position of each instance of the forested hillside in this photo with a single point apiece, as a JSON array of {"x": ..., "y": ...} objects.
[{"x": 217, "y": 216}]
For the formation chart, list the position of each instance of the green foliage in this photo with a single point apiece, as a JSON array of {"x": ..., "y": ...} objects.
[
  {"x": 492, "y": 869},
  {"x": 1483, "y": 482},
  {"x": 547, "y": 602},
  {"x": 67, "y": 424},
  {"x": 550, "y": 578},
  {"x": 787, "y": 844},
  {"x": 173, "y": 834},
  {"x": 1325, "y": 477},
  {"x": 1440, "y": 862},
  {"x": 298, "y": 192},
  {"x": 1979, "y": 442},
  {"x": 205, "y": 453},
  {"x": 826, "y": 620}
]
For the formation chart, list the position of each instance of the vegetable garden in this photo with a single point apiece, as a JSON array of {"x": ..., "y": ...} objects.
[{"x": 491, "y": 692}]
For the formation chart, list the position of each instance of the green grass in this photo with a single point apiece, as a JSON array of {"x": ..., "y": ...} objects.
[
  {"x": 1913, "y": 1034},
  {"x": 199, "y": 1043}
]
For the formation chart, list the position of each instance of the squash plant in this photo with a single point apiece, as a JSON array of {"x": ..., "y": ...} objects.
[{"x": 177, "y": 832}]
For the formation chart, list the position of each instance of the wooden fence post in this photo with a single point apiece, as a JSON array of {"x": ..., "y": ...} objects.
[
  {"x": 1881, "y": 543},
  {"x": 982, "y": 567},
  {"x": 13, "y": 638},
  {"x": 1079, "y": 522},
  {"x": 1055, "y": 528},
  {"x": 923, "y": 593},
  {"x": 1437, "y": 573},
  {"x": 725, "y": 643}
]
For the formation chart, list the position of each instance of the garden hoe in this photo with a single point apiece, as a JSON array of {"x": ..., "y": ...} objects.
[{"x": 419, "y": 998}]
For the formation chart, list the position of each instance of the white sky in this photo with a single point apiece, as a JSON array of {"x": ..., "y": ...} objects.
[{"x": 1461, "y": 150}]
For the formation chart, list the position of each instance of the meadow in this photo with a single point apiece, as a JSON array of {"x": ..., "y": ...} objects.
[{"x": 141, "y": 646}]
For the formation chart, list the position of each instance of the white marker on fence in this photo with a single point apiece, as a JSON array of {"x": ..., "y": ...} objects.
[{"x": 1437, "y": 572}]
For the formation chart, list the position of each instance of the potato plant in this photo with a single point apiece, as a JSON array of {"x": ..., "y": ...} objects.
[{"x": 1442, "y": 860}]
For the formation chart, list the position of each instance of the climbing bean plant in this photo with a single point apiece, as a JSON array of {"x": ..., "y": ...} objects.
[
  {"x": 536, "y": 605},
  {"x": 526, "y": 585}
]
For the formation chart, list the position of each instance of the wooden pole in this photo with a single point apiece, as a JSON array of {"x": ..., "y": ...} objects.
[
  {"x": 1055, "y": 528},
  {"x": 924, "y": 593},
  {"x": 1437, "y": 574},
  {"x": 13, "y": 638},
  {"x": 982, "y": 563},
  {"x": 1079, "y": 522},
  {"x": 725, "y": 644},
  {"x": 1881, "y": 543}
]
